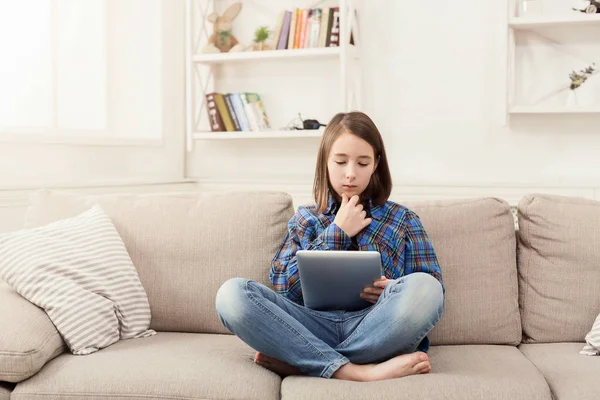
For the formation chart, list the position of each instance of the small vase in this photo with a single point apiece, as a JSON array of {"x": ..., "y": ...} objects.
[
  {"x": 583, "y": 96},
  {"x": 261, "y": 46},
  {"x": 572, "y": 99}
]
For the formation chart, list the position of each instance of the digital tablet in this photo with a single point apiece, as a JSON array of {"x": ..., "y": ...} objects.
[{"x": 333, "y": 279}]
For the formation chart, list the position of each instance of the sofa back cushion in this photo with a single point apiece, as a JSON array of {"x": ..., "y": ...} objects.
[
  {"x": 184, "y": 246},
  {"x": 28, "y": 339},
  {"x": 559, "y": 267},
  {"x": 474, "y": 240}
]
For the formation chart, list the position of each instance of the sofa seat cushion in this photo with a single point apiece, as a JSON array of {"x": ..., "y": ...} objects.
[
  {"x": 165, "y": 366},
  {"x": 5, "y": 389},
  {"x": 459, "y": 372},
  {"x": 569, "y": 374}
]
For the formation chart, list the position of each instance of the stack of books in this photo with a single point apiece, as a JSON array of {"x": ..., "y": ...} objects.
[
  {"x": 236, "y": 112},
  {"x": 307, "y": 28}
]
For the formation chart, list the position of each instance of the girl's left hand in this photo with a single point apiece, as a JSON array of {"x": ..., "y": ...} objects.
[{"x": 372, "y": 293}]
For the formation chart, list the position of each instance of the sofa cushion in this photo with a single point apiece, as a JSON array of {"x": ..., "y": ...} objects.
[
  {"x": 569, "y": 374},
  {"x": 5, "y": 389},
  {"x": 166, "y": 366},
  {"x": 78, "y": 270},
  {"x": 458, "y": 372},
  {"x": 28, "y": 339},
  {"x": 184, "y": 246},
  {"x": 559, "y": 268},
  {"x": 592, "y": 339},
  {"x": 474, "y": 240}
]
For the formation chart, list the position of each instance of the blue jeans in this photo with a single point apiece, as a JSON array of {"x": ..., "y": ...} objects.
[{"x": 320, "y": 342}]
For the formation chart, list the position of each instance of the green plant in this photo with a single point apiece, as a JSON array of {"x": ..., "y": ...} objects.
[
  {"x": 578, "y": 78},
  {"x": 261, "y": 34}
]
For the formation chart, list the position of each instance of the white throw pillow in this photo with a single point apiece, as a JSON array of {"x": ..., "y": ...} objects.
[
  {"x": 78, "y": 270},
  {"x": 592, "y": 347}
]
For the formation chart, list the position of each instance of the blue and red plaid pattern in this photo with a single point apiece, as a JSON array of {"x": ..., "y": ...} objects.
[{"x": 396, "y": 232}]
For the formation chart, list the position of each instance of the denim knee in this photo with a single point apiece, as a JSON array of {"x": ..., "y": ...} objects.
[
  {"x": 425, "y": 294},
  {"x": 230, "y": 301}
]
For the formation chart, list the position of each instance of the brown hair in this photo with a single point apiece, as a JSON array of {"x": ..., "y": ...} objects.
[{"x": 358, "y": 124}]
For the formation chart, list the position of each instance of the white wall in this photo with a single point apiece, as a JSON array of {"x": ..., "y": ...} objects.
[{"x": 435, "y": 84}]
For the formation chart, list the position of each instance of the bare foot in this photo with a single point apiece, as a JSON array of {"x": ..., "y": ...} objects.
[
  {"x": 273, "y": 364},
  {"x": 397, "y": 367}
]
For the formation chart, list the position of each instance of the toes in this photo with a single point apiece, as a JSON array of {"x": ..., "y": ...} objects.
[{"x": 422, "y": 366}]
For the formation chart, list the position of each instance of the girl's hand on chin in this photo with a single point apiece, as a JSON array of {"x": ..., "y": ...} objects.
[{"x": 351, "y": 218}]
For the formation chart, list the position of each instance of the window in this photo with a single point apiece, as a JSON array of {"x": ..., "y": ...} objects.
[{"x": 81, "y": 69}]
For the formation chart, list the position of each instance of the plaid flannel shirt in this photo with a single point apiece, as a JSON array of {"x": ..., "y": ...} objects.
[{"x": 395, "y": 232}]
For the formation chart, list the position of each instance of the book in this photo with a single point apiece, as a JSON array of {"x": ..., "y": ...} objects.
[
  {"x": 334, "y": 37},
  {"x": 222, "y": 107},
  {"x": 252, "y": 119},
  {"x": 298, "y": 28},
  {"x": 303, "y": 23},
  {"x": 261, "y": 115},
  {"x": 324, "y": 28},
  {"x": 292, "y": 34},
  {"x": 232, "y": 114},
  {"x": 315, "y": 27},
  {"x": 214, "y": 117},
  {"x": 285, "y": 31},
  {"x": 277, "y": 33},
  {"x": 238, "y": 106}
]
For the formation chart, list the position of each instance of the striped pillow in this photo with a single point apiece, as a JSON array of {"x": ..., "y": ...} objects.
[
  {"x": 592, "y": 346},
  {"x": 78, "y": 270}
]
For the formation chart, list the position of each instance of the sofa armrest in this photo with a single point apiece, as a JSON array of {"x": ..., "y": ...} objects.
[{"x": 28, "y": 339}]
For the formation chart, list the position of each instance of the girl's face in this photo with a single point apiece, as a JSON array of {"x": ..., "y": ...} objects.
[{"x": 350, "y": 165}]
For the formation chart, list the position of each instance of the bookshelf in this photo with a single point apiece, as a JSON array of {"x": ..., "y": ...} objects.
[
  {"x": 203, "y": 70},
  {"x": 325, "y": 52},
  {"x": 266, "y": 134},
  {"x": 563, "y": 31}
]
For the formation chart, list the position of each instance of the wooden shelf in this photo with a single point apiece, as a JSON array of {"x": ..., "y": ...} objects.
[
  {"x": 323, "y": 52},
  {"x": 554, "y": 110},
  {"x": 274, "y": 134},
  {"x": 576, "y": 19}
]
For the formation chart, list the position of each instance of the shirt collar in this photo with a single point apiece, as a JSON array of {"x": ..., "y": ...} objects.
[{"x": 372, "y": 211}]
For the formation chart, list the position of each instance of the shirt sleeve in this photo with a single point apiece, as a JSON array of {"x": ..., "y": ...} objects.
[
  {"x": 419, "y": 255},
  {"x": 302, "y": 235}
]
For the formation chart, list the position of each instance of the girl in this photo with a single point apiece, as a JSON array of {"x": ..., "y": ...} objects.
[{"x": 352, "y": 212}]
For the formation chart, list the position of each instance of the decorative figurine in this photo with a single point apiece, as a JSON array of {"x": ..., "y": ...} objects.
[{"x": 222, "y": 37}]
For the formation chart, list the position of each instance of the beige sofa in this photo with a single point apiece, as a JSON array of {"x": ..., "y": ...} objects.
[{"x": 517, "y": 306}]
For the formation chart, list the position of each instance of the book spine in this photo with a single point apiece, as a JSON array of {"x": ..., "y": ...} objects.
[
  {"x": 304, "y": 19},
  {"x": 224, "y": 113},
  {"x": 214, "y": 117},
  {"x": 249, "y": 113},
  {"x": 308, "y": 28},
  {"x": 275, "y": 38},
  {"x": 292, "y": 34},
  {"x": 236, "y": 124},
  {"x": 261, "y": 115},
  {"x": 335, "y": 28},
  {"x": 239, "y": 111},
  {"x": 285, "y": 31},
  {"x": 298, "y": 28},
  {"x": 315, "y": 27},
  {"x": 324, "y": 26}
]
